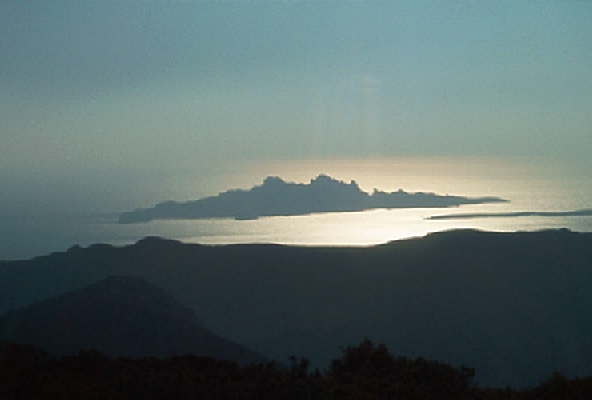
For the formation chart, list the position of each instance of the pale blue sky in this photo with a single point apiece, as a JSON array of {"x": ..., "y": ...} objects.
[{"x": 98, "y": 98}]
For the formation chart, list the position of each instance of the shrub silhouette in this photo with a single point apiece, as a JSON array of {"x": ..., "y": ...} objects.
[
  {"x": 368, "y": 370},
  {"x": 363, "y": 372}
]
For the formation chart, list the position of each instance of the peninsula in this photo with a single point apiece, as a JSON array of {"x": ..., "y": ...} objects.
[
  {"x": 276, "y": 197},
  {"x": 574, "y": 213}
]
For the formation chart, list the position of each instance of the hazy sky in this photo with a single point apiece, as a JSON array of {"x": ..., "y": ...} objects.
[{"x": 98, "y": 97}]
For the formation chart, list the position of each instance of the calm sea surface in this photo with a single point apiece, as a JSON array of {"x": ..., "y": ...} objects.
[{"x": 529, "y": 187}]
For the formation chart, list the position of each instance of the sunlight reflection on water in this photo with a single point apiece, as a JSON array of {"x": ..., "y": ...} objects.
[{"x": 530, "y": 187}]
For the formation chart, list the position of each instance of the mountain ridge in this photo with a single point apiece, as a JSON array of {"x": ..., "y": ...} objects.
[{"x": 515, "y": 305}]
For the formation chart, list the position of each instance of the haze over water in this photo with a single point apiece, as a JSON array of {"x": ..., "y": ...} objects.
[{"x": 529, "y": 185}]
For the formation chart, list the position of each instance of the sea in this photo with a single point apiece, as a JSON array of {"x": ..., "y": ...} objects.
[{"x": 536, "y": 184}]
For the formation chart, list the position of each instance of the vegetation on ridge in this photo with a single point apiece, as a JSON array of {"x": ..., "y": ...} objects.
[{"x": 365, "y": 371}]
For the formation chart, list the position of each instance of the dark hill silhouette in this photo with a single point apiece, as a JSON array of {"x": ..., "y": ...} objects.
[
  {"x": 515, "y": 306},
  {"x": 276, "y": 197},
  {"x": 120, "y": 316}
]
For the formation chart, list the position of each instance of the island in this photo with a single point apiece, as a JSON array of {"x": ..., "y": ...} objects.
[
  {"x": 276, "y": 197},
  {"x": 574, "y": 213}
]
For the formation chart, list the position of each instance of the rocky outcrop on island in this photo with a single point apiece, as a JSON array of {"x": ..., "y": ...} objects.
[{"x": 276, "y": 197}]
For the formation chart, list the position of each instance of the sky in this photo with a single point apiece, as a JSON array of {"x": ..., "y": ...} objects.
[{"x": 101, "y": 100}]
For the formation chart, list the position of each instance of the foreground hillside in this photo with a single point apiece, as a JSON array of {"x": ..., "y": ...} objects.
[
  {"x": 515, "y": 306},
  {"x": 363, "y": 372}
]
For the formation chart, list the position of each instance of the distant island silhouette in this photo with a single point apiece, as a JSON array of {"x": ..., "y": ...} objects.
[
  {"x": 575, "y": 213},
  {"x": 276, "y": 197}
]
